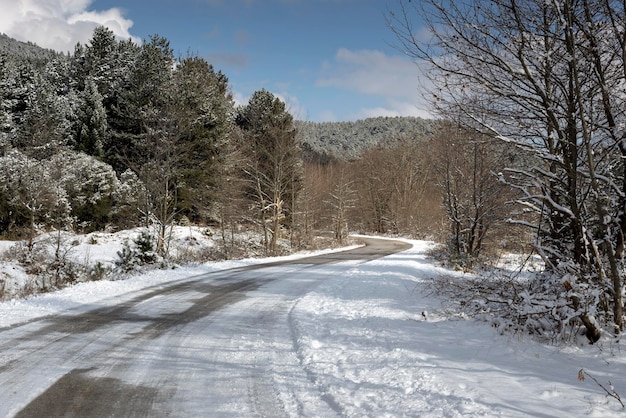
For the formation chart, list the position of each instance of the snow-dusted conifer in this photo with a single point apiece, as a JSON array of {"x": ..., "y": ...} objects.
[
  {"x": 90, "y": 186},
  {"x": 92, "y": 127}
]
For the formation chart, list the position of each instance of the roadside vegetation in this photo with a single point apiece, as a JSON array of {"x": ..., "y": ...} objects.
[
  {"x": 545, "y": 79},
  {"x": 526, "y": 157}
]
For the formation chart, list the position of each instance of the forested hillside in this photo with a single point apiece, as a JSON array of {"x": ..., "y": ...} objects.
[
  {"x": 27, "y": 51},
  {"x": 347, "y": 140}
]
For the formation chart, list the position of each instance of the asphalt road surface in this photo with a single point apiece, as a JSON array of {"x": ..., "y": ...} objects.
[{"x": 219, "y": 344}]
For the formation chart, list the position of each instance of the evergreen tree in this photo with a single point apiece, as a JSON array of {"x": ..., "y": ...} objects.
[
  {"x": 274, "y": 168},
  {"x": 139, "y": 109},
  {"x": 201, "y": 105},
  {"x": 106, "y": 64},
  {"x": 6, "y": 107},
  {"x": 91, "y": 128},
  {"x": 107, "y": 61},
  {"x": 89, "y": 184},
  {"x": 17, "y": 84},
  {"x": 45, "y": 123}
]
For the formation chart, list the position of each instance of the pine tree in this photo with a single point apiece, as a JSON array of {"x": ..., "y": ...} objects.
[
  {"x": 46, "y": 121},
  {"x": 274, "y": 168},
  {"x": 6, "y": 107},
  {"x": 139, "y": 108},
  {"x": 201, "y": 105},
  {"x": 91, "y": 127}
]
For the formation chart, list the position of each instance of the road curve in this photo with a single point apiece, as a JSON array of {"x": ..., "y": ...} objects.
[{"x": 219, "y": 344}]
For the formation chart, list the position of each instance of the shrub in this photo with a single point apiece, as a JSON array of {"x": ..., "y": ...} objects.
[{"x": 141, "y": 252}]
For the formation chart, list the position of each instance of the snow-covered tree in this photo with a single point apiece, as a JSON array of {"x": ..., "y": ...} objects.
[
  {"x": 35, "y": 199},
  {"x": 131, "y": 200},
  {"x": 105, "y": 60},
  {"x": 46, "y": 122},
  {"x": 546, "y": 77},
  {"x": 89, "y": 184},
  {"x": 202, "y": 107},
  {"x": 7, "y": 103},
  {"x": 91, "y": 127},
  {"x": 140, "y": 105}
]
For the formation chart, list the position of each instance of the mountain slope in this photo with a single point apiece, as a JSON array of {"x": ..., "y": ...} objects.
[
  {"x": 24, "y": 50},
  {"x": 347, "y": 140}
]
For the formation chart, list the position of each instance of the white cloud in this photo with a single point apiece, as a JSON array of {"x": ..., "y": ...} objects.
[
  {"x": 59, "y": 24},
  {"x": 293, "y": 105},
  {"x": 394, "y": 79},
  {"x": 240, "y": 98},
  {"x": 395, "y": 109},
  {"x": 371, "y": 72}
]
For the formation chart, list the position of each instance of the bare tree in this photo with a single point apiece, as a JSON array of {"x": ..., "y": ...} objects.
[
  {"x": 391, "y": 184},
  {"x": 375, "y": 190},
  {"x": 546, "y": 77},
  {"x": 409, "y": 174},
  {"x": 341, "y": 200},
  {"x": 274, "y": 165},
  {"x": 466, "y": 164},
  {"x": 230, "y": 198}
]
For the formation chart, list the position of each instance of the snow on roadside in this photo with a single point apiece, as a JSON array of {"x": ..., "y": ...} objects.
[
  {"x": 375, "y": 345},
  {"x": 89, "y": 295},
  {"x": 103, "y": 247}
]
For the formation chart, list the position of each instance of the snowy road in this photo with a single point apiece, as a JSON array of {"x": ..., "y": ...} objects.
[{"x": 219, "y": 344}]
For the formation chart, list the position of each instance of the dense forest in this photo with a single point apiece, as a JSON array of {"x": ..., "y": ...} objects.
[
  {"x": 119, "y": 135},
  {"x": 347, "y": 140}
]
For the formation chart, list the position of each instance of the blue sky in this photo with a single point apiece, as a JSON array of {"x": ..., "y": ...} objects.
[{"x": 329, "y": 60}]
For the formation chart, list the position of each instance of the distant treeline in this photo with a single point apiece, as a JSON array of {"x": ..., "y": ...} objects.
[
  {"x": 24, "y": 50},
  {"x": 347, "y": 140}
]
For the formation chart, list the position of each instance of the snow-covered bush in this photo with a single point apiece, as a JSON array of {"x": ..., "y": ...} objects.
[
  {"x": 90, "y": 186},
  {"x": 31, "y": 257},
  {"x": 131, "y": 200},
  {"x": 194, "y": 249},
  {"x": 33, "y": 196},
  {"x": 48, "y": 261},
  {"x": 68, "y": 187},
  {"x": 547, "y": 306},
  {"x": 140, "y": 252},
  {"x": 97, "y": 272}
]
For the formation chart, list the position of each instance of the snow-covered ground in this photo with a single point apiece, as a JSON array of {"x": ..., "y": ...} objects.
[{"x": 373, "y": 341}]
